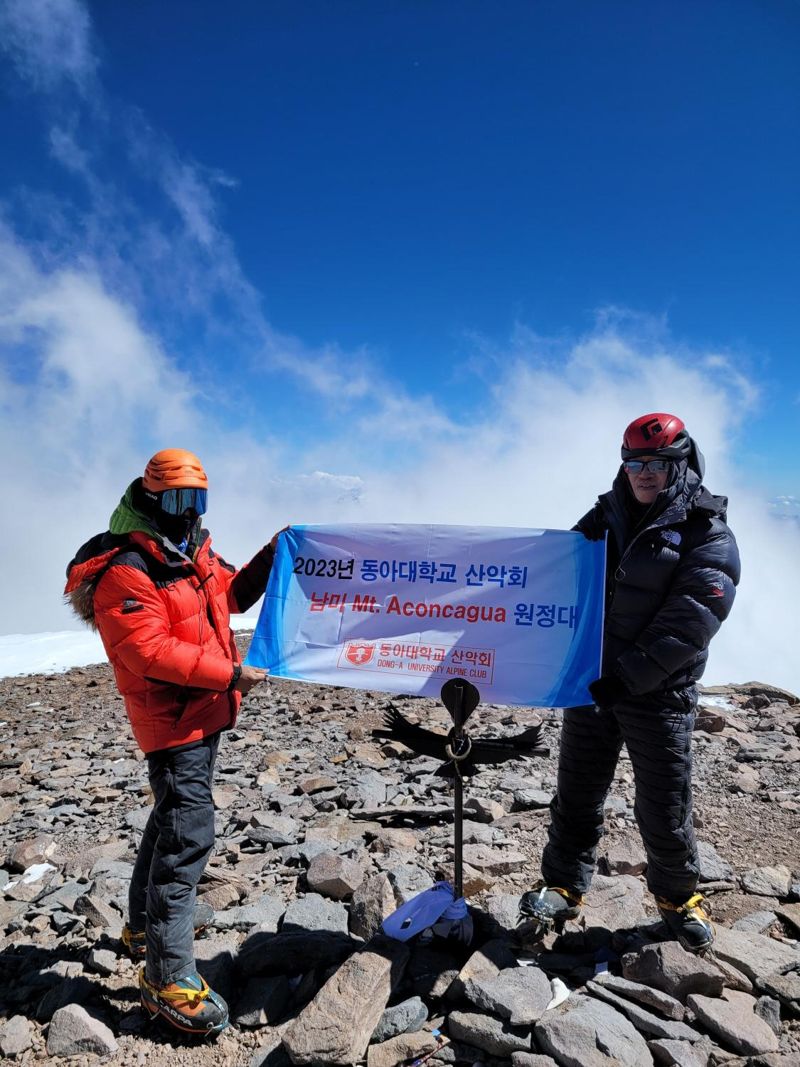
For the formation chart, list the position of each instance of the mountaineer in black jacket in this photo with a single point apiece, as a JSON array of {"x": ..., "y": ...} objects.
[{"x": 671, "y": 575}]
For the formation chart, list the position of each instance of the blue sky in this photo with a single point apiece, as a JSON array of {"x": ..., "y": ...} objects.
[
  {"x": 415, "y": 180},
  {"x": 414, "y": 261}
]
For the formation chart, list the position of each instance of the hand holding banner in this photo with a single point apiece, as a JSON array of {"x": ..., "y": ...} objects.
[{"x": 403, "y": 609}]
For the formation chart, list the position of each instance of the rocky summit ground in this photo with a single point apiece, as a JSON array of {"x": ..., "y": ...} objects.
[{"x": 322, "y": 831}]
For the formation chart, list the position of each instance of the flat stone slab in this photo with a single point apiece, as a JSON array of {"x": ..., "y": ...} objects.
[
  {"x": 315, "y": 912},
  {"x": 486, "y": 962},
  {"x": 759, "y": 957},
  {"x": 713, "y": 868},
  {"x": 497, "y": 861},
  {"x": 264, "y": 913},
  {"x": 495, "y": 1036},
  {"x": 646, "y": 1022},
  {"x": 519, "y": 994},
  {"x": 670, "y": 968},
  {"x": 585, "y": 1032},
  {"x": 335, "y": 1028},
  {"x": 680, "y": 1053},
  {"x": 768, "y": 881},
  {"x": 786, "y": 987},
  {"x": 732, "y": 1019},
  {"x": 644, "y": 994},
  {"x": 614, "y": 903},
  {"x": 400, "y": 1049}
]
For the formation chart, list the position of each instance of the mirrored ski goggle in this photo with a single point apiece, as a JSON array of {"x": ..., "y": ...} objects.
[
  {"x": 636, "y": 466},
  {"x": 179, "y": 501}
]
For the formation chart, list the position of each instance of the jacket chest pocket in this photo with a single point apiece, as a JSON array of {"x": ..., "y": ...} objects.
[{"x": 651, "y": 566}]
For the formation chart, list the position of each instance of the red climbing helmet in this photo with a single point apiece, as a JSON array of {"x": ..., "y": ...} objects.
[{"x": 657, "y": 434}]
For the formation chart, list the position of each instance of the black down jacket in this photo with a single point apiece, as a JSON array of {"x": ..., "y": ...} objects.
[{"x": 670, "y": 583}]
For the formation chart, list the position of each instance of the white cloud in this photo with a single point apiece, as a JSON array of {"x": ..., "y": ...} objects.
[
  {"x": 97, "y": 394},
  {"x": 89, "y": 389},
  {"x": 49, "y": 42}
]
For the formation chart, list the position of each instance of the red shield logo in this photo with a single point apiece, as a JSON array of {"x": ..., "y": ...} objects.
[{"x": 359, "y": 654}]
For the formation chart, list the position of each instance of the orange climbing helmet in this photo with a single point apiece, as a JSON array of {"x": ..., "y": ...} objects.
[{"x": 174, "y": 468}]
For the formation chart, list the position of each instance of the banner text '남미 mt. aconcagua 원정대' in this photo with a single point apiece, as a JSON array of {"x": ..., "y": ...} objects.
[{"x": 403, "y": 609}]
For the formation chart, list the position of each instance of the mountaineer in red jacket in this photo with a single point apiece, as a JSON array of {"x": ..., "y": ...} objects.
[{"x": 161, "y": 599}]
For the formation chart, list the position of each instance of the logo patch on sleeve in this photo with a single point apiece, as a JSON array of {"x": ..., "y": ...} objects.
[
  {"x": 130, "y": 605},
  {"x": 672, "y": 537}
]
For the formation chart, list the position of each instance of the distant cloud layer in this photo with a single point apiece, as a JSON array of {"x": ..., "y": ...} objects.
[{"x": 101, "y": 301}]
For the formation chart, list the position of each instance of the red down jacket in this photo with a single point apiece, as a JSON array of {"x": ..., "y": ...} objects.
[{"x": 165, "y": 625}]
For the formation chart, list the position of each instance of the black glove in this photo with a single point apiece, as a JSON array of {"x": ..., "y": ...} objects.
[{"x": 608, "y": 690}]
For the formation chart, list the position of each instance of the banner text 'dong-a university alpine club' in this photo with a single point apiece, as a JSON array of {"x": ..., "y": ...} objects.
[{"x": 403, "y": 609}]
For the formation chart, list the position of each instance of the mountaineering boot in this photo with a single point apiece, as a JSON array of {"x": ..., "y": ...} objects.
[
  {"x": 134, "y": 940},
  {"x": 550, "y": 906},
  {"x": 187, "y": 1004},
  {"x": 687, "y": 922}
]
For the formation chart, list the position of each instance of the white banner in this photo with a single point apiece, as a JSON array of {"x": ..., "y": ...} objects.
[{"x": 519, "y": 613}]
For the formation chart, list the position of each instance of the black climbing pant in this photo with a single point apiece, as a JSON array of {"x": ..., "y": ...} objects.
[{"x": 658, "y": 736}]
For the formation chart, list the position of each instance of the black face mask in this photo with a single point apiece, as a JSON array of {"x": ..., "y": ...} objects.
[{"x": 175, "y": 527}]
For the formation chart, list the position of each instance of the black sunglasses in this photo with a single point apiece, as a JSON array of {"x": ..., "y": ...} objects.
[{"x": 636, "y": 466}]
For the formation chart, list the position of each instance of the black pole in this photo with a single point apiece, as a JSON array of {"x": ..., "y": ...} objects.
[{"x": 458, "y": 796}]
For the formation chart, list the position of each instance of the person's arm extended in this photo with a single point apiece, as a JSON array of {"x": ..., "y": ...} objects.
[{"x": 250, "y": 582}]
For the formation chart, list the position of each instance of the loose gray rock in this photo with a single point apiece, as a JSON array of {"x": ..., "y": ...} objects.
[
  {"x": 102, "y": 961},
  {"x": 646, "y": 1022},
  {"x": 643, "y": 994},
  {"x": 519, "y": 994},
  {"x": 786, "y": 987},
  {"x": 400, "y": 1049},
  {"x": 769, "y": 1010},
  {"x": 98, "y": 913},
  {"x": 503, "y": 908},
  {"x": 16, "y": 1036},
  {"x": 671, "y": 968},
  {"x": 334, "y": 876},
  {"x": 496, "y": 861},
  {"x": 495, "y": 1036},
  {"x": 614, "y": 903},
  {"x": 404, "y": 1018},
  {"x": 73, "y": 1031},
  {"x": 584, "y": 1032},
  {"x": 372, "y": 902},
  {"x": 531, "y": 1059},
  {"x": 314, "y": 912},
  {"x": 624, "y": 855},
  {"x": 407, "y": 881},
  {"x": 530, "y": 799},
  {"x": 265, "y": 913},
  {"x": 757, "y": 922},
  {"x": 768, "y": 881},
  {"x": 485, "y": 963},
  {"x": 366, "y": 791},
  {"x": 336, "y": 1026},
  {"x": 713, "y": 868},
  {"x": 667, "y": 1053},
  {"x": 758, "y": 957},
  {"x": 483, "y": 810},
  {"x": 732, "y": 1019}
]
